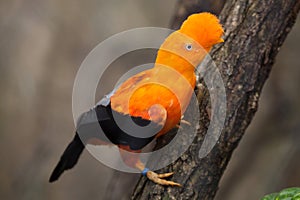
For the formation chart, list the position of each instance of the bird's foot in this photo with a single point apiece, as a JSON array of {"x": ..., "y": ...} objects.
[{"x": 158, "y": 178}]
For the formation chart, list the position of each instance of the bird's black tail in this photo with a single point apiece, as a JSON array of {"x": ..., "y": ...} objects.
[{"x": 68, "y": 159}]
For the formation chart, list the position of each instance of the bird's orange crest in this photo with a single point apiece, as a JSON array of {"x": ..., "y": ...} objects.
[{"x": 205, "y": 28}]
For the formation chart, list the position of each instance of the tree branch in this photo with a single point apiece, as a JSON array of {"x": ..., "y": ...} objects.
[
  {"x": 255, "y": 30},
  {"x": 184, "y": 8}
]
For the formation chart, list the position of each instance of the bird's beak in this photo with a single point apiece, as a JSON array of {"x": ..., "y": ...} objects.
[{"x": 220, "y": 40}]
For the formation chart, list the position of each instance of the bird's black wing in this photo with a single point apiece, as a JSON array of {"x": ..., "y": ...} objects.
[{"x": 99, "y": 123}]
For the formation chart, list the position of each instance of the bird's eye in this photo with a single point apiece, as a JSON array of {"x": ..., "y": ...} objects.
[{"x": 188, "y": 47}]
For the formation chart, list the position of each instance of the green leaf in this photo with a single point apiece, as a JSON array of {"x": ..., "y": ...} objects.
[
  {"x": 270, "y": 196},
  {"x": 286, "y": 194},
  {"x": 296, "y": 197}
]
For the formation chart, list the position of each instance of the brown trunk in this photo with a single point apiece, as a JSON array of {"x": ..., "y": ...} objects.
[{"x": 255, "y": 30}]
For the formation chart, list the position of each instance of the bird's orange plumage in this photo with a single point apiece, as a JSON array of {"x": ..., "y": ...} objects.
[
  {"x": 171, "y": 81},
  {"x": 160, "y": 94}
]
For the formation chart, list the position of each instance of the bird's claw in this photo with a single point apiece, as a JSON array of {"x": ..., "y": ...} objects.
[
  {"x": 185, "y": 122},
  {"x": 157, "y": 178}
]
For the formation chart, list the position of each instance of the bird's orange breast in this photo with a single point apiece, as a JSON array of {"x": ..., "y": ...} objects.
[{"x": 158, "y": 86}]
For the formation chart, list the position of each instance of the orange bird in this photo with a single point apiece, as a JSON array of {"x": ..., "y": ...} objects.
[{"x": 158, "y": 96}]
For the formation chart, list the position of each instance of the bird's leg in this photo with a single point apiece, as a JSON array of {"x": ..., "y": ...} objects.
[
  {"x": 133, "y": 160},
  {"x": 156, "y": 178},
  {"x": 158, "y": 114},
  {"x": 129, "y": 157}
]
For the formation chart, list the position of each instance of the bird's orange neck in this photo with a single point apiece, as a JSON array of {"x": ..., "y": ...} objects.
[{"x": 178, "y": 63}]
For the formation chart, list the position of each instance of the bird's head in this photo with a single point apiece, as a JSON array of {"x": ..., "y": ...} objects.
[
  {"x": 185, "y": 48},
  {"x": 204, "y": 28}
]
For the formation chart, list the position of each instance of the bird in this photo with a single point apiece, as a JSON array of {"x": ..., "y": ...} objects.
[{"x": 156, "y": 97}]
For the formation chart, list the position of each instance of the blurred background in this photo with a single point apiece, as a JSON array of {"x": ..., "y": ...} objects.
[{"x": 41, "y": 48}]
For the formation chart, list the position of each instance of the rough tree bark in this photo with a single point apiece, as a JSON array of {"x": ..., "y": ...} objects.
[
  {"x": 254, "y": 32},
  {"x": 184, "y": 8}
]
